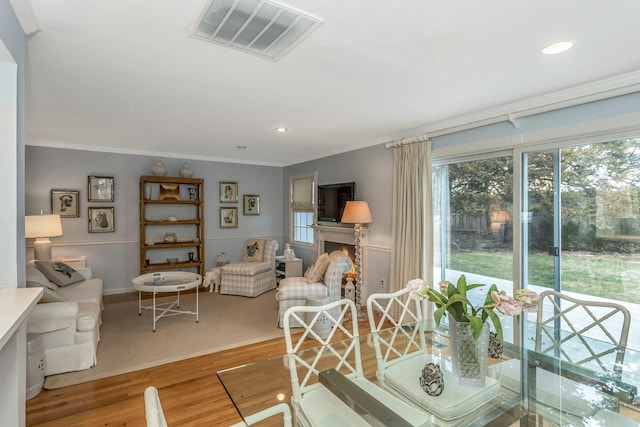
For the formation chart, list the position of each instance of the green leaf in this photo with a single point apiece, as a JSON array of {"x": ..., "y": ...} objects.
[
  {"x": 457, "y": 306},
  {"x": 496, "y": 323},
  {"x": 488, "y": 300},
  {"x": 437, "y": 315},
  {"x": 436, "y": 296},
  {"x": 462, "y": 286},
  {"x": 451, "y": 290},
  {"x": 476, "y": 326}
]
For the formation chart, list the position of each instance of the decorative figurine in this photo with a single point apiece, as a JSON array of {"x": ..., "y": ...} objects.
[
  {"x": 495, "y": 346},
  {"x": 431, "y": 380}
]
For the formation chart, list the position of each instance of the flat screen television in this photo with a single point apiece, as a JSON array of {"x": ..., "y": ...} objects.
[{"x": 331, "y": 200}]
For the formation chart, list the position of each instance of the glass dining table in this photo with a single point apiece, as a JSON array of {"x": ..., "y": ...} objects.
[{"x": 533, "y": 388}]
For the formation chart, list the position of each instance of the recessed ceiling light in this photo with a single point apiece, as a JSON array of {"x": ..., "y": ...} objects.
[
  {"x": 241, "y": 147},
  {"x": 557, "y": 47},
  {"x": 281, "y": 129}
]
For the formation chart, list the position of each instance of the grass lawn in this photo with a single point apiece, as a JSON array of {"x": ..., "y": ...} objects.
[{"x": 615, "y": 276}]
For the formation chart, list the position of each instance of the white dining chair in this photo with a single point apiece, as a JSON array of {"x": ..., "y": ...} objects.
[
  {"x": 587, "y": 333},
  {"x": 314, "y": 404},
  {"x": 153, "y": 408},
  {"x": 400, "y": 345},
  {"x": 585, "y": 324},
  {"x": 279, "y": 409}
]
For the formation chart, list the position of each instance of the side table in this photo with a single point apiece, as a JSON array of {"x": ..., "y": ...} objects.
[
  {"x": 162, "y": 282},
  {"x": 322, "y": 327},
  {"x": 288, "y": 268},
  {"x": 35, "y": 365}
]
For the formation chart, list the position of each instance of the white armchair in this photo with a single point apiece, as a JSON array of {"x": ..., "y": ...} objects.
[
  {"x": 293, "y": 291},
  {"x": 68, "y": 320}
]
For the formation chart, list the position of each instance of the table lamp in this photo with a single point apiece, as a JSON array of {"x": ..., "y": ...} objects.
[
  {"x": 41, "y": 227},
  {"x": 358, "y": 213}
]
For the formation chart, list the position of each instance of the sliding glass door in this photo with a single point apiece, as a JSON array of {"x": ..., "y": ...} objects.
[
  {"x": 579, "y": 221},
  {"x": 473, "y": 211}
]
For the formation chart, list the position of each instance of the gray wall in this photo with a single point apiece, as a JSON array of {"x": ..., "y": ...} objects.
[
  {"x": 14, "y": 39},
  {"x": 371, "y": 169},
  {"x": 115, "y": 256}
]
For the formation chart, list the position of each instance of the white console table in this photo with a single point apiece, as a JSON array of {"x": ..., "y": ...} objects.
[{"x": 15, "y": 306}]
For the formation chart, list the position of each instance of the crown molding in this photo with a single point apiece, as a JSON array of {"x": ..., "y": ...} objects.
[
  {"x": 623, "y": 84},
  {"x": 26, "y": 15}
]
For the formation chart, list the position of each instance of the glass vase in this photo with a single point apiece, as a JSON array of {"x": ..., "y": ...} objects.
[{"x": 468, "y": 355}]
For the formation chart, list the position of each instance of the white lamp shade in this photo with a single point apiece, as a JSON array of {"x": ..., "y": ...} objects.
[
  {"x": 356, "y": 212},
  {"x": 42, "y": 226}
]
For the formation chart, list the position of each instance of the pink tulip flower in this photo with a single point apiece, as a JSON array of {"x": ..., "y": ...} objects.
[
  {"x": 528, "y": 298},
  {"x": 506, "y": 304}
]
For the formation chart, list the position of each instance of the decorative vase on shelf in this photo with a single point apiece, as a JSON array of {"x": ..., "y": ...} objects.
[
  {"x": 186, "y": 171},
  {"x": 468, "y": 355},
  {"x": 159, "y": 169}
]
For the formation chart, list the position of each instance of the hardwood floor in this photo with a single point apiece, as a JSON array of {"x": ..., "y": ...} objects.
[{"x": 190, "y": 393}]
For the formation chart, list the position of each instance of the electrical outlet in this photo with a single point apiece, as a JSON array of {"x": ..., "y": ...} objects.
[{"x": 382, "y": 283}]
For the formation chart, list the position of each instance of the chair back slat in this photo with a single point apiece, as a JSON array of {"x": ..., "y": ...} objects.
[
  {"x": 393, "y": 318},
  {"x": 340, "y": 349},
  {"x": 583, "y": 332}
]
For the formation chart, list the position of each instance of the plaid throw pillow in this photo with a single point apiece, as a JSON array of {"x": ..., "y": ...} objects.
[{"x": 316, "y": 271}]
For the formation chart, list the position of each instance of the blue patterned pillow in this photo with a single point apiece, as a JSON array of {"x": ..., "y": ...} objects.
[{"x": 59, "y": 272}]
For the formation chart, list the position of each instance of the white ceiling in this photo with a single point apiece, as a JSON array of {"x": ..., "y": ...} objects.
[{"x": 123, "y": 76}]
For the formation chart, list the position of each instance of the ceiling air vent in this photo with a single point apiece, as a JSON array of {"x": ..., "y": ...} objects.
[{"x": 266, "y": 29}]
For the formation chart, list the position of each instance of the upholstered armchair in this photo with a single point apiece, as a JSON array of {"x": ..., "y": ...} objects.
[
  {"x": 293, "y": 291},
  {"x": 255, "y": 274}
]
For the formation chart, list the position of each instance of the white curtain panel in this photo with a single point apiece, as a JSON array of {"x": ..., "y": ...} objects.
[{"x": 412, "y": 237}]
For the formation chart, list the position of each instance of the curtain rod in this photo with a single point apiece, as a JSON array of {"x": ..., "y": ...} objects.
[
  {"x": 590, "y": 92},
  {"x": 406, "y": 141}
]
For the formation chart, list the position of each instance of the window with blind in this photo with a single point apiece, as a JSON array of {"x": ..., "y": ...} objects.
[{"x": 302, "y": 207}]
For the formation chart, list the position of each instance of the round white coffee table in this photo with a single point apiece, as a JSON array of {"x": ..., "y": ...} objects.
[{"x": 162, "y": 282}]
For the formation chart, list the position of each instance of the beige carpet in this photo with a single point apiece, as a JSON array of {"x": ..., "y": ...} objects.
[{"x": 127, "y": 342}]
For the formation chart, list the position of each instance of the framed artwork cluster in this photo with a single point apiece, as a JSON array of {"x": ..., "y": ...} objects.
[
  {"x": 101, "y": 189},
  {"x": 66, "y": 203},
  {"x": 229, "y": 214}
]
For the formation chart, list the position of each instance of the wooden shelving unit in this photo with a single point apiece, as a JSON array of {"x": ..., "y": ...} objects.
[{"x": 188, "y": 187}]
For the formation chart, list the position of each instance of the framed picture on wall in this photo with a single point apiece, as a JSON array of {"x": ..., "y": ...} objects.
[
  {"x": 101, "y": 220},
  {"x": 251, "y": 204},
  {"x": 101, "y": 188},
  {"x": 65, "y": 203},
  {"x": 228, "y": 192},
  {"x": 228, "y": 217}
]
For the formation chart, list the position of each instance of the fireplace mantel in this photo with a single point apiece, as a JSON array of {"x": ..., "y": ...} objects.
[{"x": 344, "y": 235}]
